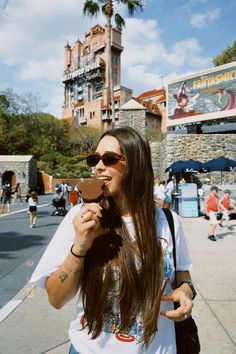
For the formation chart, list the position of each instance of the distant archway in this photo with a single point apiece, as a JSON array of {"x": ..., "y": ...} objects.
[{"x": 9, "y": 176}]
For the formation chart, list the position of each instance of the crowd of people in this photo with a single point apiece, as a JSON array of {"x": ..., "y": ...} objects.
[
  {"x": 218, "y": 211},
  {"x": 9, "y": 196},
  {"x": 163, "y": 192},
  {"x": 67, "y": 193}
]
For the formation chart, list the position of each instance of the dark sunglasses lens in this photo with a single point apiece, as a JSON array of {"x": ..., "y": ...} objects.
[
  {"x": 109, "y": 159},
  {"x": 93, "y": 160}
]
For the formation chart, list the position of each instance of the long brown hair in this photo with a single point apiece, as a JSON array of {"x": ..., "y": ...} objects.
[{"x": 140, "y": 282}]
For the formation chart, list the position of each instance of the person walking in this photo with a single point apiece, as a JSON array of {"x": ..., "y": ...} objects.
[
  {"x": 17, "y": 194},
  {"x": 119, "y": 256},
  {"x": 160, "y": 192},
  {"x": 73, "y": 196},
  {"x": 64, "y": 189},
  {"x": 33, "y": 203},
  {"x": 211, "y": 209},
  {"x": 6, "y": 198},
  {"x": 1, "y": 193},
  {"x": 170, "y": 187},
  {"x": 225, "y": 206}
]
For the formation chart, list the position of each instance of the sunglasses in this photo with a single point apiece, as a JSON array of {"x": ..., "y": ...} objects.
[{"x": 108, "y": 159}]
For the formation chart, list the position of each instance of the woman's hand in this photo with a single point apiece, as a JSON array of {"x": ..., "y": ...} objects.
[
  {"x": 87, "y": 227},
  {"x": 185, "y": 306}
]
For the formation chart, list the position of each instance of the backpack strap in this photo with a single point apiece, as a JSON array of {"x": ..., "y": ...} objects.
[{"x": 170, "y": 220}]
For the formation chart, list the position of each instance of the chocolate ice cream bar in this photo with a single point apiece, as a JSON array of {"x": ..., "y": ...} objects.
[{"x": 91, "y": 190}]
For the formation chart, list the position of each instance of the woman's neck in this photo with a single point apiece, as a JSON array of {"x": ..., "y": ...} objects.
[{"x": 122, "y": 204}]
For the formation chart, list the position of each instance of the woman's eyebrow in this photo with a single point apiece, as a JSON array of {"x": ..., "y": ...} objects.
[{"x": 108, "y": 151}]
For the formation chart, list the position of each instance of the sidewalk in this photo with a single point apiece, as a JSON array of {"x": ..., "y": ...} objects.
[{"x": 34, "y": 327}]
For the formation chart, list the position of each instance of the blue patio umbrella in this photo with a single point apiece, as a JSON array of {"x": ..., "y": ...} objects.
[
  {"x": 220, "y": 164},
  {"x": 185, "y": 166}
]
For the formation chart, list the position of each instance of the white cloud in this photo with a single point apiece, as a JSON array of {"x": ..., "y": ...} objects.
[
  {"x": 140, "y": 76},
  {"x": 56, "y": 101},
  {"x": 29, "y": 26},
  {"x": 142, "y": 43},
  {"x": 144, "y": 46},
  {"x": 142, "y": 29},
  {"x": 50, "y": 69},
  {"x": 146, "y": 57},
  {"x": 199, "y": 20},
  {"x": 187, "y": 52},
  {"x": 33, "y": 34}
]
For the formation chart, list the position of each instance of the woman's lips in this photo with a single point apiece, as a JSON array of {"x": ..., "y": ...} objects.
[{"x": 105, "y": 179}]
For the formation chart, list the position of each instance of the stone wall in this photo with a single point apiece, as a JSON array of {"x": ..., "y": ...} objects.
[
  {"x": 202, "y": 147},
  {"x": 156, "y": 160},
  {"x": 134, "y": 118},
  {"x": 23, "y": 172}
]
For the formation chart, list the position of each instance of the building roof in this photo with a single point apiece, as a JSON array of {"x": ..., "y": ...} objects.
[
  {"x": 132, "y": 104},
  {"x": 151, "y": 93},
  {"x": 15, "y": 158},
  {"x": 150, "y": 107},
  {"x": 161, "y": 99}
]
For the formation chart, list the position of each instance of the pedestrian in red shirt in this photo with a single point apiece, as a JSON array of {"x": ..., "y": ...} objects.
[
  {"x": 225, "y": 206},
  {"x": 73, "y": 196},
  {"x": 211, "y": 208}
]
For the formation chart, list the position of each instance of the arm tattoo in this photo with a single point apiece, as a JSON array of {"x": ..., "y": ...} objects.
[{"x": 63, "y": 276}]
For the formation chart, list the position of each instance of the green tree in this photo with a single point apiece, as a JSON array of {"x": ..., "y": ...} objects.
[
  {"x": 4, "y": 103},
  {"x": 25, "y": 103},
  {"x": 85, "y": 139},
  {"x": 108, "y": 7},
  {"x": 153, "y": 135},
  {"x": 227, "y": 56},
  {"x": 32, "y": 134}
]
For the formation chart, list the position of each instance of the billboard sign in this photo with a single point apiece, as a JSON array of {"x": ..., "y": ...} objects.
[{"x": 206, "y": 95}]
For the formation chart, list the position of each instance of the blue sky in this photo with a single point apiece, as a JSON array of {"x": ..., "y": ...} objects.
[{"x": 168, "y": 39}]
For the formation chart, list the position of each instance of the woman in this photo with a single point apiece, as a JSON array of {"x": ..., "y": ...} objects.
[
  {"x": 33, "y": 203},
  {"x": 118, "y": 255},
  {"x": 17, "y": 194},
  {"x": 73, "y": 196}
]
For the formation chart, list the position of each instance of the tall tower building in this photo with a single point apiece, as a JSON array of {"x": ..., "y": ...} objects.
[{"x": 86, "y": 94}]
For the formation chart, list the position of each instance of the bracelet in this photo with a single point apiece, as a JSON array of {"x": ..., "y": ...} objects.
[
  {"x": 190, "y": 284},
  {"x": 76, "y": 255}
]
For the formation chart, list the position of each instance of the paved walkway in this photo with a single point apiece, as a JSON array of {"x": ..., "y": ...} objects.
[{"x": 34, "y": 327}]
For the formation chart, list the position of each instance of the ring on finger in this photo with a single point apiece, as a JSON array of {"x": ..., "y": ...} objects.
[{"x": 185, "y": 316}]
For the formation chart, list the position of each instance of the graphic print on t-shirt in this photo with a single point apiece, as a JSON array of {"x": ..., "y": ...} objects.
[{"x": 111, "y": 318}]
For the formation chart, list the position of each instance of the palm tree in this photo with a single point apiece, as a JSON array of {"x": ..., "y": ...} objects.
[{"x": 108, "y": 8}]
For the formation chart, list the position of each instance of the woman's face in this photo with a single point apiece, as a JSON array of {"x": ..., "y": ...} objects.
[{"x": 111, "y": 175}]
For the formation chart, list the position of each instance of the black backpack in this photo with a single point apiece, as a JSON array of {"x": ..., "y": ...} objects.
[{"x": 7, "y": 191}]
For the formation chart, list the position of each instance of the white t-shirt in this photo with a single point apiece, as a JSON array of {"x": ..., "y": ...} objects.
[
  {"x": 159, "y": 191},
  {"x": 32, "y": 202},
  {"x": 170, "y": 188},
  {"x": 110, "y": 341}
]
